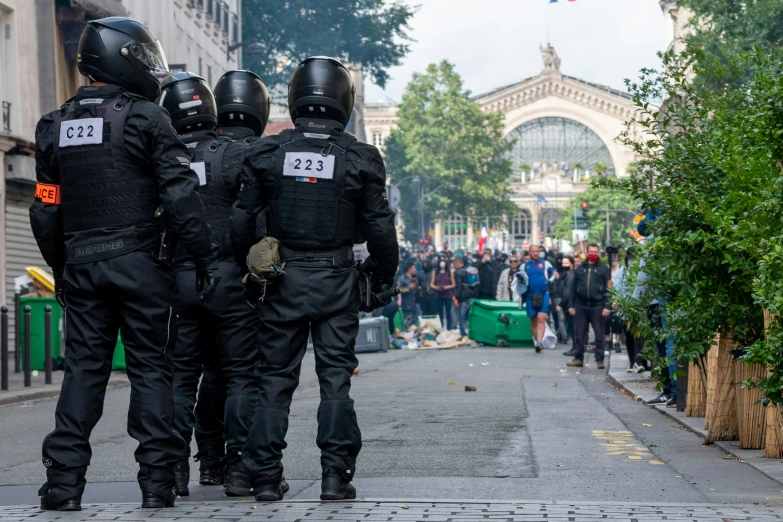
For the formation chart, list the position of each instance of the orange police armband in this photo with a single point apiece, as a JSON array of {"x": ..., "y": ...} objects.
[{"x": 47, "y": 193}]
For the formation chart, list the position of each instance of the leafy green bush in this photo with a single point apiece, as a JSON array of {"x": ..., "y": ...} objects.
[{"x": 710, "y": 167}]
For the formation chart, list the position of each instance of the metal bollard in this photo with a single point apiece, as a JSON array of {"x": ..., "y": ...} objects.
[
  {"x": 17, "y": 329},
  {"x": 48, "y": 343},
  {"x": 28, "y": 312},
  {"x": 4, "y": 348}
]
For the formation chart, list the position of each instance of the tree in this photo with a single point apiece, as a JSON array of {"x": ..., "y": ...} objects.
[
  {"x": 726, "y": 28},
  {"x": 620, "y": 223},
  {"x": 456, "y": 152},
  {"x": 600, "y": 168},
  {"x": 710, "y": 167},
  {"x": 370, "y": 32}
]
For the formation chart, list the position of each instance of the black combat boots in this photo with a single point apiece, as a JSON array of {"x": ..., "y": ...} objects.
[
  {"x": 182, "y": 477},
  {"x": 334, "y": 487}
]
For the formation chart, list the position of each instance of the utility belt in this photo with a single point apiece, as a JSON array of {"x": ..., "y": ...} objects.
[
  {"x": 105, "y": 246},
  {"x": 288, "y": 254}
]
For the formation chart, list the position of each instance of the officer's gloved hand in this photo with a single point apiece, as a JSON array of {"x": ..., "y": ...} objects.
[
  {"x": 59, "y": 291},
  {"x": 207, "y": 278},
  {"x": 381, "y": 295}
]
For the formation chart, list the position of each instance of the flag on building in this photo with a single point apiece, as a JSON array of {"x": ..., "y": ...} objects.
[
  {"x": 555, "y": 1},
  {"x": 483, "y": 238},
  {"x": 541, "y": 199}
]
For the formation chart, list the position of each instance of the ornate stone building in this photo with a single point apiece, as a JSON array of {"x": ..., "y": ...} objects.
[{"x": 564, "y": 132}]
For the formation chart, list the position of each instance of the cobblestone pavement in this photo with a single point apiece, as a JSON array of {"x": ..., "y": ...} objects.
[{"x": 406, "y": 510}]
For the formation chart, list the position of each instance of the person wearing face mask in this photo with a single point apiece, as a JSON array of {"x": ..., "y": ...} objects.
[
  {"x": 568, "y": 267},
  {"x": 589, "y": 303},
  {"x": 442, "y": 282},
  {"x": 426, "y": 295}
]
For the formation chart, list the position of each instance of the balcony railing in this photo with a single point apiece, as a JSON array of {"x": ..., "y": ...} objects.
[{"x": 7, "y": 116}]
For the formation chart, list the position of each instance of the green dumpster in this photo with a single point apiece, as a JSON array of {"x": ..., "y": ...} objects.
[
  {"x": 399, "y": 320},
  {"x": 499, "y": 323},
  {"x": 118, "y": 359},
  {"x": 37, "y": 332}
]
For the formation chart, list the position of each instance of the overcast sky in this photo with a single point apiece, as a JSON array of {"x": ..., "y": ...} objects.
[{"x": 496, "y": 42}]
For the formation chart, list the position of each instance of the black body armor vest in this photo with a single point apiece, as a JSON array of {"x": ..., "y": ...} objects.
[
  {"x": 307, "y": 207},
  {"x": 101, "y": 185},
  {"x": 216, "y": 197}
]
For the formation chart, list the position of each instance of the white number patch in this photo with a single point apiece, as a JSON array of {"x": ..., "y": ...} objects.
[
  {"x": 201, "y": 171},
  {"x": 88, "y": 131},
  {"x": 308, "y": 164}
]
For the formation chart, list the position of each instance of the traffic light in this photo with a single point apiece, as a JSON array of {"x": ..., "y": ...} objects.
[{"x": 585, "y": 208}]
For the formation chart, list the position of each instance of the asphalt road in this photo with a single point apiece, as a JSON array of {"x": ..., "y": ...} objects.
[{"x": 533, "y": 430}]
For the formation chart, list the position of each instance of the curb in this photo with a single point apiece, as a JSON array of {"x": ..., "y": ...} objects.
[
  {"x": 700, "y": 433},
  {"x": 626, "y": 389},
  {"x": 52, "y": 391}
]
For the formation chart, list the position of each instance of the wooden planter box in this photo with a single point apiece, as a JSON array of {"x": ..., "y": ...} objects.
[
  {"x": 751, "y": 414},
  {"x": 722, "y": 404}
]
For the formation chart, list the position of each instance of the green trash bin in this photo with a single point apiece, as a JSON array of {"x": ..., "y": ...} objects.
[
  {"x": 499, "y": 323},
  {"x": 118, "y": 359},
  {"x": 37, "y": 332},
  {"x": 399, "y": 321}
]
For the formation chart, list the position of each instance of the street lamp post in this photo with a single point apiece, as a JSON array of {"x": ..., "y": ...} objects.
[{"x": 251, "y": 45}]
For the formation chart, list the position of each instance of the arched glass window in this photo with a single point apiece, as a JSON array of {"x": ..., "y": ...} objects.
[
  {"x": 520, "y": 228},
  {"x": 455, "y": 232},
  {"x": 557, "y": 141}
]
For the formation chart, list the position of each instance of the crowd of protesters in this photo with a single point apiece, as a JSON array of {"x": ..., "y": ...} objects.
[
  {"x": 446, "y": 283},
  {"x": 569, "y": 293}
]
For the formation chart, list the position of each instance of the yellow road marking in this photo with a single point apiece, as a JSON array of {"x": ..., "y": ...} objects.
[{"x": 624, "y": 443}]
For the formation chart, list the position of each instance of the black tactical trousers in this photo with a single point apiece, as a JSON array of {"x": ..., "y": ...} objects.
[
  {"x": 210, "y": 412},
  {"x": 318, "y": 298},
  {"x": 221, "y": 334},
  {"x": 135, "y": 295}
]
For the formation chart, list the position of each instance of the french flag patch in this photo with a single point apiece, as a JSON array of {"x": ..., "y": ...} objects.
[{"x": 306, "y": 180}]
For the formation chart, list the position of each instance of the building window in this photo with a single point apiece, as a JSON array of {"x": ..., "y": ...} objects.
[
  {"x": 520, "y": 228},
  {"x": 225, "y": 17},
  {"x": 455, "y": 232},
  {"x": 200, "y": 66},
  {"x": 549, "y": 218},
  {"x": 377, "y": 139},
  {"x": 209, "y": 74},
  {"x": 211, "y": 9},
  {"x": 200, "y": 4},
  {"x": 235, "y": 28}
]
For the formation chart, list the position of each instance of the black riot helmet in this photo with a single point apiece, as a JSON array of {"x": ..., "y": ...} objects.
[
  {"x": 123, "y": 52},
  {"x": 190, "y": 102},
  {"x": 243, "y": 101},
  {"x": 321, "y": 87}
]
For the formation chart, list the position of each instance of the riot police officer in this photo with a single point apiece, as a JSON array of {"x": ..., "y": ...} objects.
[
  {"x": 222, "y": 334},
  {"x": 243, "y": 107},
  {"x": 112, "y": 179},
  {"x": 318, "y": 185}
]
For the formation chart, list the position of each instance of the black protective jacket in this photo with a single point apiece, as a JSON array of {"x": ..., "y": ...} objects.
[
  {"x": 152, "y": 142},
  {"x": 230, "y": 173},
  {"x": 365, "y": 183},
  {"x": 589, "y": 286}
]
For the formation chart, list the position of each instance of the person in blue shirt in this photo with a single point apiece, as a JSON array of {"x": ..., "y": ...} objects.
[{"x": 539, "y": 272}]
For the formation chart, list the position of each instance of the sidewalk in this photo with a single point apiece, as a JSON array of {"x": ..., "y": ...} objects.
[
  {"x": 38, "y": 390},
  {"x": 405, "y": 510},
  {"x": 641, "y": 388}
]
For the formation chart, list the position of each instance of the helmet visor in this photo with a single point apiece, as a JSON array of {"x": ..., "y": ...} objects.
[{"x": 152, "y": 55}]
